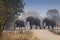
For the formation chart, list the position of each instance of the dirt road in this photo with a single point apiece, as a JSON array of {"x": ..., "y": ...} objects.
[{"x": 45, "y": 35}]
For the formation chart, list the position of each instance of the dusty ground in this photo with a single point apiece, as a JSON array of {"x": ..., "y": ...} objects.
[
  {"x": 46, "y": 35},
  {"x": 42, "y": 34}
]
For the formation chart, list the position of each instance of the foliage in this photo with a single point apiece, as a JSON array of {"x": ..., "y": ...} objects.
[
  {"x": 9, "y": 8},
  {"x": 53, "y": 13}
]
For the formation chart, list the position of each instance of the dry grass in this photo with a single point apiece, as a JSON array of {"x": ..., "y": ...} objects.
[{"x": 26, "y": 35}]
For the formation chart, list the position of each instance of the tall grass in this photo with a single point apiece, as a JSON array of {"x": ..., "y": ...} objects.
[{"x": 26, "y": 35}]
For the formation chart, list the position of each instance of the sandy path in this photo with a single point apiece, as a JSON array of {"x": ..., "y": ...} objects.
[{"x": 46, "y": 35}]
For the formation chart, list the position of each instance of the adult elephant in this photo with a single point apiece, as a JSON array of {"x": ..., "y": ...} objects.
[
  {"x": 19, "y": 23},
  {"x": 33, "y": 21},
  {"x": 48, "y": 22}
]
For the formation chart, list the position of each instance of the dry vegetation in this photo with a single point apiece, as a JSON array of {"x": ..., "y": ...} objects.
[{"x": 26, "y": 35}]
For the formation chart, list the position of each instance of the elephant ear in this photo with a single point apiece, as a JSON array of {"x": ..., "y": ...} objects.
[{"x": 45, "y": 19}]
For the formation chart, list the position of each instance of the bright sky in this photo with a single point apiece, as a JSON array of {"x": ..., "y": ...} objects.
[{"x": 41, "y": 6}]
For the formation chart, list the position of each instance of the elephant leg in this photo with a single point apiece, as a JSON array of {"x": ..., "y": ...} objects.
[
  {"x": 14, "y": 28},
  {"x": 36, "y": 27},
  {"x": 30, "y": 26},
  {"x": 40, "y": 26},
  {"x": 53, "y": 27},
  {"x": 44, "y": 27},
  {"x": 19, "y": 28},
  {"x": 48, "y": 27}
]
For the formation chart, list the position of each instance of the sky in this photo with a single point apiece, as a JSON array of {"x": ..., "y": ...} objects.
[{"x": 41, "y": 6}]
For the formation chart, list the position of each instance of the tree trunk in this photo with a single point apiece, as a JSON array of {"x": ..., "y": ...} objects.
[
  {"x": 2, "y": 27},
  {"x": 1, "y": 30}
]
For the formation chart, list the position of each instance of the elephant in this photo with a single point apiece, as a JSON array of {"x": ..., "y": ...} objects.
[
  {"x": 49, "y": 23},
  {"x": 19, "y": 23},
  {"x": 33, "y": 21}
]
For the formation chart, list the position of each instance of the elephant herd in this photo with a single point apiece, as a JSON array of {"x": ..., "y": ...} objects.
[{"x": 35, "y": 21}]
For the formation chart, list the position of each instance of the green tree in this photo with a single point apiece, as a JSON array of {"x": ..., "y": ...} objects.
[
  {"x": 53, "y": 13},
  {"x": 9, "y": 8}
]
